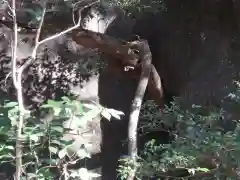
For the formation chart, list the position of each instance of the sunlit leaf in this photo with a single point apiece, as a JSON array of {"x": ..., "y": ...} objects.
[
  {"x": 94, "y": 175},
  {"x": 90, "y": 106},
  {"x": 57, "y": 128},
  {"x": 202, "y": 169},
  {"x": 9, "y": 147},
  {"x": 74, "y": 173},
  {"x": 62, "y": 153},
  {"x": 56, "y": 142},
  {"x": 57, "y": 111},
  {"x": 79, "y": 107},
  {"x": 53, "y": 150},
  {"x": 34, "y": 137},
  {"x": 44, "y": 174},
  {"x": 90, "y": 115},
  {"x": 84, "y": 174},
  {"x": 39, "y": 134},
  {"x": 66, "y": 142},
  {"x": 115, "y": 113},
  {"x": 106, "y": 114},
  {"x": 66, "y": 99},
  {"x": 53, "y": 104},
  {"x": 13, "y": 115},
  {"x": 82, "y": 153},
  {"x": 31, "y": 175},
  {"x": 10, "y": 104}
]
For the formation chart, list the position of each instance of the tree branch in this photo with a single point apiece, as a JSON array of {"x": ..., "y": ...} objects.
[
  {"x": 19, "y": 94},
  {"x": 38, "y": 43},
  {"x": 155, "y": 87},
  {"x": 146, "y": 60},
  {"x": 17, "y": 77}
]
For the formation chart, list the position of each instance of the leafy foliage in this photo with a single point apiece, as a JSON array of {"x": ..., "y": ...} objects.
[
  {"x": 201, "y": 145},
  {"x": 45, "y": 148},
  {"x": 134, "y": 7}
]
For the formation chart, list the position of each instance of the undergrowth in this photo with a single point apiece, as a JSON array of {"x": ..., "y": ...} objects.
[{"x": 202, "y": 146}]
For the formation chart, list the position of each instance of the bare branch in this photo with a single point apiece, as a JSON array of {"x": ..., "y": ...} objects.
[
  {"x": 73, "y": 9},
  {"x": 14, "y": 44},
  {"x": 146, "y": 59},
  {"x": 34, "y": 53},
  {"x": 40, "y": 25},
  {"x": 9, "y": 6},
  {"x": 17, "y": 77},
  {"x": 18, "y": 87}
]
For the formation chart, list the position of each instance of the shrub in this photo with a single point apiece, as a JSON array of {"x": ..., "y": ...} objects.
[
  {"x": 45, "y": 150},
  {"x": 201, "y": 148}
]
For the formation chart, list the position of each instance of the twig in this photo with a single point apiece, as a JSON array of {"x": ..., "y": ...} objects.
[
  {"x": 33, "y": 56},
  {"x": 9, "y": 6},
  {"x": 18, "y": 86},
  {"x": 14, "y": 44},
  {"x": 146, "y": 59},
  {"x": 19, "y": 94},
  {"x": 73, "y": 9}
]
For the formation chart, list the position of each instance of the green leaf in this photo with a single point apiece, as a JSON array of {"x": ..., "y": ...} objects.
[
  {"x": 82, "y": 153},
  {"x": 79, "y": 122},
  {"x": 50, "y": 161},
  {"x": 91, "y": 114},
  {"x": 83, "y": 173},
  {"x": 62, "y": 153},
  {"x": 39, "y": 134},
  {"x": 13, "y": 115},
  {"x": 74, "y": 173},
  {"x": 44, "y": 174},
  {"x": 65, "y": 99},
  {"x": 56, "y": 142},
  {"x": 52, "y": 104},
  {"x": 31, "y": 175},
  {"x": 9, "y": 147},
  {"x": 66, "y": 142},
  {"x": 115, "y": 113},
  {"x": 53, "y": 150},
  {"x": 57, "y": 128},
  {"x": 34, "y": 137},
  {"x": 57, "y": 111},
  {"x": 106, "y": 114},
  {"x": 90, "y": 106},
  {"x": 10, "y": 104},
  {"x": 79, "y": 107},
  {"x": 202, "y": 169}
]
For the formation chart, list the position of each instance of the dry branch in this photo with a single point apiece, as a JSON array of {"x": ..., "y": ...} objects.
[{"x": 146, "y": 60}]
